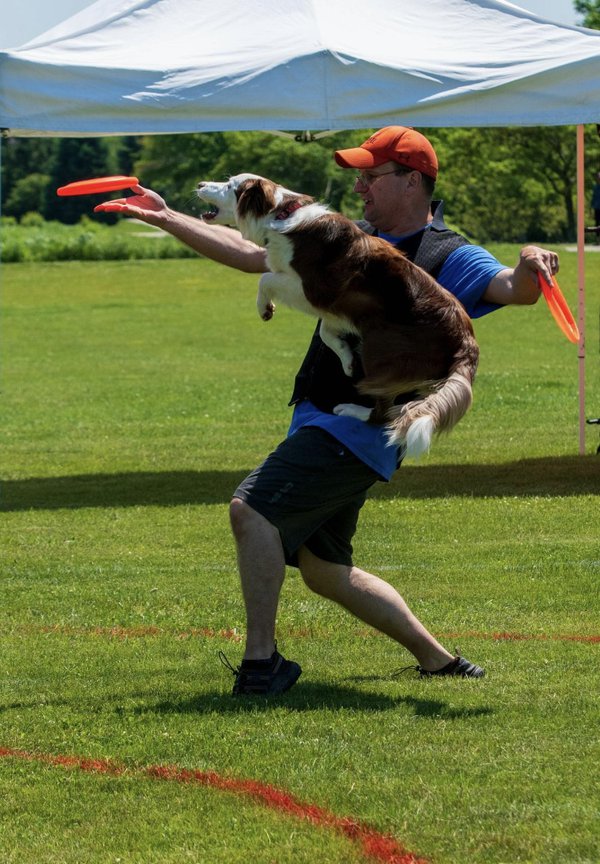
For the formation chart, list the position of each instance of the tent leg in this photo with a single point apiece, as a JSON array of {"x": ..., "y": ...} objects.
[{"x": 581, "y": 280}]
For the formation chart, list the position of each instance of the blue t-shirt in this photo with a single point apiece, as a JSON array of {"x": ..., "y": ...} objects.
[{"x": 466, "y": 273}]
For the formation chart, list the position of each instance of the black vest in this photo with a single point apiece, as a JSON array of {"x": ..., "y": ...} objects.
[{"x": 321, "y": 378}]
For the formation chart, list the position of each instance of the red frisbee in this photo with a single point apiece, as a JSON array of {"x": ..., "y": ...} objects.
[
  {"x": 98, "y": 184},
  {"x": 558, "y": 306}
]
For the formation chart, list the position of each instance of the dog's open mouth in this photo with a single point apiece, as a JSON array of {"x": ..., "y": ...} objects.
[{"x": 210, "y": 214}]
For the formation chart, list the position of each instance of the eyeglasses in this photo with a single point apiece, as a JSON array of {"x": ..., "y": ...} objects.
[{"x": 367, "y": 178}]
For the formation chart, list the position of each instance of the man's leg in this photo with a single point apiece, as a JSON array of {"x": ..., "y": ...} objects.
[
  {"x": 261, "y": 564},
  {"x": 263, "y": 672},
  {"x": 376, "y": 603}
]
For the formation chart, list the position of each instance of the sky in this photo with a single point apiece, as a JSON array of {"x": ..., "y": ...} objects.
[{"x": 21, "y": 20}]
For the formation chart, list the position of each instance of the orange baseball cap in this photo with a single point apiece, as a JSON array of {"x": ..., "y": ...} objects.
[{"x": 399, "y": 144}]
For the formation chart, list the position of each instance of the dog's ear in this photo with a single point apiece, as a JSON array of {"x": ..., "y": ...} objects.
[{"x": 255, "y": 197}]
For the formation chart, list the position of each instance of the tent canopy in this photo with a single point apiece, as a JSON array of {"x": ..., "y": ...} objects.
[{"x": 164, "y": 66}]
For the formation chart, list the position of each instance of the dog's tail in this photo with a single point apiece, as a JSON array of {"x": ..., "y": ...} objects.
[{"x": 415, "y": 423}]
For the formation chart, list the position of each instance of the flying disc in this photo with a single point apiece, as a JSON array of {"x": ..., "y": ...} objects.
[
  {"x": 98, "y": 184},
  {"x": 558, "y": 306}
]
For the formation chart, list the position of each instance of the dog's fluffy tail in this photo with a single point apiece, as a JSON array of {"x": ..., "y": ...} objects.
[{"x": 415, "y": 423}]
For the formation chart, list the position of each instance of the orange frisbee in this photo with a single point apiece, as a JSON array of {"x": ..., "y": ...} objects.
[
  {"x": 98, "y": 184},
  {"x": 558, "y": 306}
]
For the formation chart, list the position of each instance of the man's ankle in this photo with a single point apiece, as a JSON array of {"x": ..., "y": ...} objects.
[{"x": 259, "y": 655}]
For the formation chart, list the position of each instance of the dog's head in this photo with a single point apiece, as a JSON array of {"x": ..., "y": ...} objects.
[
  {"x": 223, "y": 198},
  {"x": 250, "y": 202}
]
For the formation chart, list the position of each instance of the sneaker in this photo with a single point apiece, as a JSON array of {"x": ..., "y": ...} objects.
[
  {"x": 263, "y": 677},
  {"x": 458, "y": 667}
]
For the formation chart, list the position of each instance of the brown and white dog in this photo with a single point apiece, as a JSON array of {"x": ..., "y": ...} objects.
[{"x": 415, "y": 336}]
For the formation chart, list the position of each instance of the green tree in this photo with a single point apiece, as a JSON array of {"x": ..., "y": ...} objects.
[
  {"x": 77, "y": 159},
  {"x": 590, "y": 9},
  {"x": 20, "y": 158},
  {"x": 174, "y": 164},
  {"x": 27, "y": 195},
  {"x": 127, "y": 152},
  {"x": 514, "y": 184}
]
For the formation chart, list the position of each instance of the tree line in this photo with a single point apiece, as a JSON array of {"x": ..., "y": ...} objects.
[{"x": 513, "y": 184}]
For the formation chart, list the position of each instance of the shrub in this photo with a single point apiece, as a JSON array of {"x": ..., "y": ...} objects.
[
  {"x": 37, "y": 240},
  {"x": 32, "y": 219},
  {"x": 27, "y": 194}
]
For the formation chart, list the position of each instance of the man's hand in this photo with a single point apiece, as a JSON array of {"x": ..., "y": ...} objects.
[
  {"x": 533, "y": 259},
  {"x": 145, "y": 205},
  {"x": 520, "y": 286}
]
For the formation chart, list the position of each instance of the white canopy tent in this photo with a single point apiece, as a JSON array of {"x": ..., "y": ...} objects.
[
  {"x": 156, "y": 66},
  {"x": 125, "y": 67}
]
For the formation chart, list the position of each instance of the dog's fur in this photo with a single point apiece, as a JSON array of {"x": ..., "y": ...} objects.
[{"x": 415, "y": 335}]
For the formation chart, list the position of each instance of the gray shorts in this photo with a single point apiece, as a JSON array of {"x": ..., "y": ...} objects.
[{"x": 311, "y": 488}]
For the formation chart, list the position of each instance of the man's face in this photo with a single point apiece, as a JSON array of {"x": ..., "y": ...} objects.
[{"x": 384, "y": 195}]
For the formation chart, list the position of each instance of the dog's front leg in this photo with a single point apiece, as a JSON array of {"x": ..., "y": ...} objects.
[
  {"x": 334, "y": 340},
  {"x": 266, "y": 292}
]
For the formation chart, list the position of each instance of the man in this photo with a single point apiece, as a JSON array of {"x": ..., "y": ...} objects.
[{"x": 301, "y": 506}]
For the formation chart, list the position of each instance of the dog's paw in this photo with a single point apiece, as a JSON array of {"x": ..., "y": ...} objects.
[
  {"x": 267, "y": 311},
  {"x": 349, "y": 409},
  {"x": 347, "y": 359}
]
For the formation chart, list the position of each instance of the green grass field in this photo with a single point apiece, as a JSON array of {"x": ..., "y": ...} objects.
[{"x": 135, "y": 396}]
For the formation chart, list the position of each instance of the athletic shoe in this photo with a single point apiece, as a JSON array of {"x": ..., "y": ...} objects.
[
  {"x": 457, "y": 667},
  {"x": 263, "y": 677}
]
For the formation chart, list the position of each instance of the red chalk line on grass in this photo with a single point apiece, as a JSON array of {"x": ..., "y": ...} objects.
[
  {"x": 232, "y": 634},
  {"x": 375, "y": 846}
]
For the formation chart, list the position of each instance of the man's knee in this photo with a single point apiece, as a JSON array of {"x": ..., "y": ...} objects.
[
  {"x": 322, "y": 577},
  {"x": 241, "y": 516},
  {"x": 244, "y": 520}
]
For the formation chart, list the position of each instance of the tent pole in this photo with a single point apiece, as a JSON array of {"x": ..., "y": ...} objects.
[{"x": 581, "y": 280}]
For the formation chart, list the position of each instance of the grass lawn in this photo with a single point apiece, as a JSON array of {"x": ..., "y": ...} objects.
[{"x": 135, "y": 396}]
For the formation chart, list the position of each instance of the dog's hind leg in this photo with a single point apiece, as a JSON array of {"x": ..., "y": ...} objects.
[
  {"x": 351, "y": 409},
  {"x": 334, "y": 339}
]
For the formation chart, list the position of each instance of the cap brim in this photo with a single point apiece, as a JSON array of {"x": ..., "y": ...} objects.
[{"x": 358, "y": 157}]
